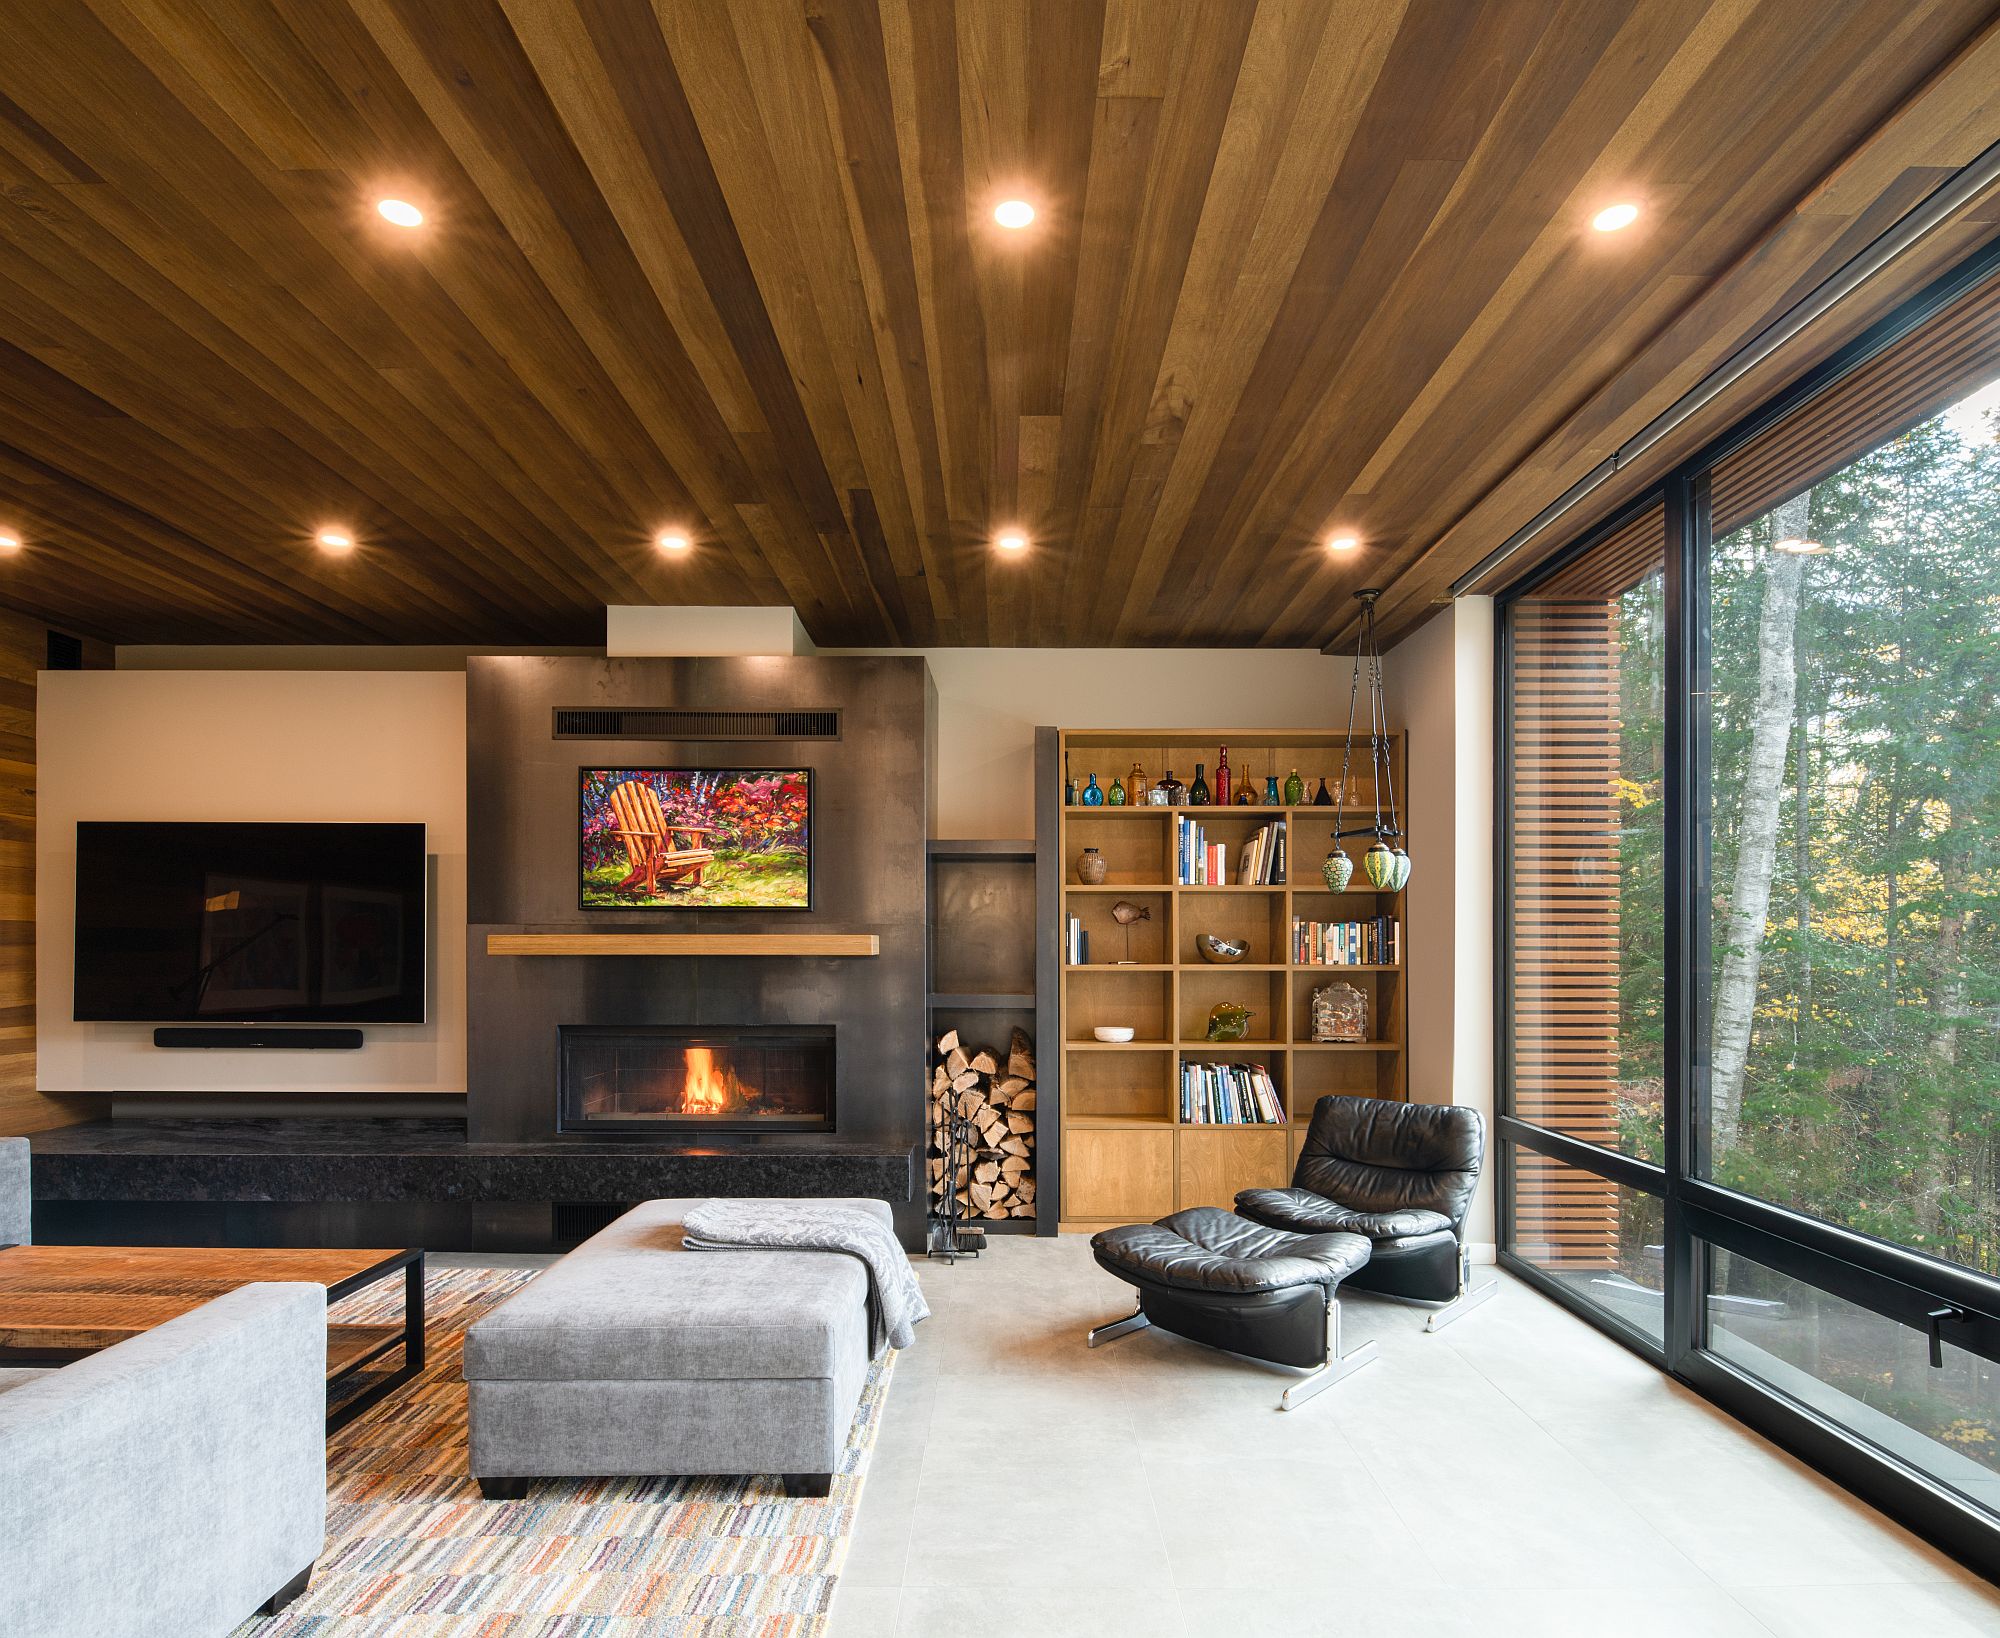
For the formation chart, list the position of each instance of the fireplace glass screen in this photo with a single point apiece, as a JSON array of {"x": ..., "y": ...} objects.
[{"x": 744, "y": 1080}]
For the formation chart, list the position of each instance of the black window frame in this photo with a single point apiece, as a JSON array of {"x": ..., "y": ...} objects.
[{"x": 1887, "y": 1279}]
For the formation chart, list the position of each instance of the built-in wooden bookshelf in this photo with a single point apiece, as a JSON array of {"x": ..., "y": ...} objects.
[{"x": 1127, "y": 1156}]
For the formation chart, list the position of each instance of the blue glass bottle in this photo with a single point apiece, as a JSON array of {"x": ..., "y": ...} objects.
[
  {"x": 1092, "y": 797},
  {"x": 1271, "y": 791}
]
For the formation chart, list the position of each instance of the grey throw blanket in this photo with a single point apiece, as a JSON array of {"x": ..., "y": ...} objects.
[{"x": 895, "y": 1301}]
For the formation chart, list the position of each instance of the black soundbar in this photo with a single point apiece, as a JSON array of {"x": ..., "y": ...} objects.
[{"x": 293, "y": 1040}]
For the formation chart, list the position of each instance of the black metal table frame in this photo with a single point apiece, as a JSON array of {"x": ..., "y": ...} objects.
[{"x": 410, "y": 1338}]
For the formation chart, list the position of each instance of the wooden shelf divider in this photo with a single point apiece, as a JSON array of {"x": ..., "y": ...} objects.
[
  {"x": 1126, "y": 1153},
  {"x": 683, "y": 944}
]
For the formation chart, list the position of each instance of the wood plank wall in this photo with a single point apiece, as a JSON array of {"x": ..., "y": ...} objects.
[
  {"x": 1565, "y": 920},
  {"x": 24, "y": 646}
]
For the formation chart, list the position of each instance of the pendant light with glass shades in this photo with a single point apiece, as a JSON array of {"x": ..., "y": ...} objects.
[{"x": 1386, "y": 863}]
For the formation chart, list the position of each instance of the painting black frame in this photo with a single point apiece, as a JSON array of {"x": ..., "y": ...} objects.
[{"x": 584, "y": 769}]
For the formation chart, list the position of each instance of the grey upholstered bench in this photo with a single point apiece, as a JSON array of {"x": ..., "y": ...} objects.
[{"x": 634, "y": 1356}]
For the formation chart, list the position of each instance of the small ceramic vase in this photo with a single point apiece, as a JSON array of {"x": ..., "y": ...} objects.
[
  {"x": 1115, "y": 797},
  {"x": 1092, "y": 796},
  {"x": 1402, "y": 870},
  {"x": 1379, "y": 864},
  {"x": 1338, "y": 870},
  {"x": 1091, "y": 868},
  {"x": 1295, "y": 789}
]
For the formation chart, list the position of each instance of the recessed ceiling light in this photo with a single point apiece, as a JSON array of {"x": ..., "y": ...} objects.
[
  {"x": 1342, "y": 542},
  {"x": 1613, "y": 217},
  {"x": 1011, "y": 540},
  {"x": 401, "y": 212},
  {"x": 671, "y": 540},
  {"x": 335, "y": 540},
  {"x": 1013, "y": 213},
  {"x": 10, "y": 543},
  {"x": 1798, "y": 546}
]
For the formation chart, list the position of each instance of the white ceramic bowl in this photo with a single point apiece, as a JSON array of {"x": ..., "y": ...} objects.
[{"x": 1114, "y": 1032}]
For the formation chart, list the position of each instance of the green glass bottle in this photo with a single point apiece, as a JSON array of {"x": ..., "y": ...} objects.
[
  {"x": 1198, "y": 792},
  {"x": 1295, "y": 789},
  {"x": 1115, "y": 797}
]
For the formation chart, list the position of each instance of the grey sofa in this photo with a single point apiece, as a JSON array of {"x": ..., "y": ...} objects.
[
  {"x": 634, "y": 1356},
  {"x": 170, "y": 1486}
]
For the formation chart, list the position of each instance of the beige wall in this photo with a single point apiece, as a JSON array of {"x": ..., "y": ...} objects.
[
  {"x": 250, "y": 745},
  {"x": 1439, "y": 683},
  {"x": 990, "y": 701}
]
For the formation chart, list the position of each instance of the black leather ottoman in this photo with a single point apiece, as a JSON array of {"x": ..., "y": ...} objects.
[{"x": 1216, "y": 1278}]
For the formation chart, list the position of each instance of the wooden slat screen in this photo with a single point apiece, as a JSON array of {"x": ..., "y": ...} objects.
[
  {"x": 1942, "y": 361},
  {"x": 1564, "y": 865}
]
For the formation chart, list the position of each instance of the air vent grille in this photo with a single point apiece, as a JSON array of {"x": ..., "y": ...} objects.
[{"x": 659, "y": 722}]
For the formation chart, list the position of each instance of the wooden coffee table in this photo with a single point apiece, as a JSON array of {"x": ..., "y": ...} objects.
[{"x": 59, "y": 1303}]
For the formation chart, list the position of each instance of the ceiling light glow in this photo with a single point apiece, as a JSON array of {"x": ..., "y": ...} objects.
[
  {"x": 1012, "y": 540},
  {"x": 671, "y": 540},
  {"x": 335, "y": 540},
  {"x": 1798, "y": 546},
  {"x": 1013, "y": 213},
  {"x": 401, "y": 212},
  {"x": 1342, "y": 542},
  {"x": 1614, "y": 217},
  {"x": 10, "y": 543}
]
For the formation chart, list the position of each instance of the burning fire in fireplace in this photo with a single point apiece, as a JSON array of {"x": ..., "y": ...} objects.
[{"x": 709, "y": 1089}]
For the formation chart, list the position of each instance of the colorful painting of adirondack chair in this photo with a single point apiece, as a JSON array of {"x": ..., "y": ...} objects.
[
  {"x": 659, "y": 849},
  {"x": 696, "y": 838}
]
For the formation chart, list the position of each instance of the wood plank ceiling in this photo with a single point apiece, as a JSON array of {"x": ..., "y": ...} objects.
[{"x": 730, "y": 265}]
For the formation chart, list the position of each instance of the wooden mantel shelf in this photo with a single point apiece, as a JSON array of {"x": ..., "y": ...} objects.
[{"x": 683, "y": 944}]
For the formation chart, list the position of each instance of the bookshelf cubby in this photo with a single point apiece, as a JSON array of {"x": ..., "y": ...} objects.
[{"x": 1127, "y": 1154}]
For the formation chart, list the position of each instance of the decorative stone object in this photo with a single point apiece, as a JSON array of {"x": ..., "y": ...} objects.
[
  {"x": 1091, "y": 869},
  {"x": 1339, "y": 1013},
  {"x": 1228, "y": 1021}
]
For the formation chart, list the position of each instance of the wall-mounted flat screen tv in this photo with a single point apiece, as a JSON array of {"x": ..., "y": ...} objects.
[
  {"x": 696, "y": 839},
  {"x": 241, "y": 923}
]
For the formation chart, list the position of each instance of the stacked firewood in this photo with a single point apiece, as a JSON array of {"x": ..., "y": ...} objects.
[{"x": 994, "y": 1104}]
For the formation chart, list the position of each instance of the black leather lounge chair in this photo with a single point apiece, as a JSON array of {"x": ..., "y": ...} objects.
[{"x": 1402, "y": 1174}]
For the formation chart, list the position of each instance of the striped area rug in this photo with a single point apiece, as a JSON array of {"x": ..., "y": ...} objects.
[{"x": 412, "y": 1550}]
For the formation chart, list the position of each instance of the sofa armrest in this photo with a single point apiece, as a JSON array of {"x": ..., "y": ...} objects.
[
  {"x": 171, "y": 1484},
  {"x": 16, "y": 1194}
]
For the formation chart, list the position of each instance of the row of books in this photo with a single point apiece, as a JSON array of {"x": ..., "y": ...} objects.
[
  {"x": 1198, "y": 862},
  {"x": 1230, "y": 1095},
  {"x": 1376, "y": 942},
  {"x": 1076, "y": 942}
]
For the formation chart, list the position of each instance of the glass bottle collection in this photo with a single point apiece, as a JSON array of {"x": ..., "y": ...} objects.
[{"x": 1136, "y": 790}]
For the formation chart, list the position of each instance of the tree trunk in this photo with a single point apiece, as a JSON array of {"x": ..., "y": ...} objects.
[{"x": 1757, "y": 825}]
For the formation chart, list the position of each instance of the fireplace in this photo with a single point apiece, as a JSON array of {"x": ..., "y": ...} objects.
[{"x": 656, "y": 1079}]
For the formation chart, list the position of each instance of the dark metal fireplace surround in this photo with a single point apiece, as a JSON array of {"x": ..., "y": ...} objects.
[{"x": 654, "y": 1080}]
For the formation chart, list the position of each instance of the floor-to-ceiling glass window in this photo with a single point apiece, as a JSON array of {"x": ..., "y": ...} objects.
[{"x": 1750, "y": 1037}]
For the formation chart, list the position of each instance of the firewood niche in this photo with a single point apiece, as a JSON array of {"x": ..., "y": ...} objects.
[{"x": 980, "y": 1153}]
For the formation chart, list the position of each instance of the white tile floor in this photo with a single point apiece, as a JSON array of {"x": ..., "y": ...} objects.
[{"x": 1516, "y": 1474}]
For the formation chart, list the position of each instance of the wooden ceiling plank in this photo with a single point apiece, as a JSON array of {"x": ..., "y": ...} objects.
[
  {"x": 118, "y": 224},
  {"x": 787, "y": 96},
  {"x": 578, "y": 83},
  {"x": 1194, "y": 116},
  {"x": 1313, "y": 359},
  {"x": 1271, "y": 181},
  {"x": 638, "y": 350},
  {"x": 777, "y": 442},
  {"x": 1950, "y": 123},
  {"x": 166, "y": 410},
  {"x": 855, "y": 91}
]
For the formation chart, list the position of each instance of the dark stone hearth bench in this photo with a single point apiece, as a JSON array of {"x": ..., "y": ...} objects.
[{"x": 415, "y": 1181}]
